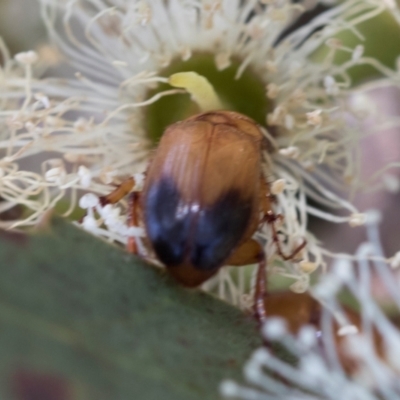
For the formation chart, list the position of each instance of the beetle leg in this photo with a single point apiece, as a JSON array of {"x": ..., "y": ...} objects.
[
  {"x": 271, "y": 218},
  {"x": 251, "y": 252},
  {"x": 133, "y": 220},
  {"x": 116, "y": 195},
  {"x": 247, "y": 253},
  {"x": 260, "y": 290},
  {"x": 119, "y": 192}
]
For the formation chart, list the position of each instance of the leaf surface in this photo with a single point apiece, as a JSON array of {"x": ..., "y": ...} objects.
[{"x": 81, "y": 319}]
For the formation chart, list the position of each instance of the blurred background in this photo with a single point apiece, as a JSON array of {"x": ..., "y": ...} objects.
[{"x": 20, "y": 25}]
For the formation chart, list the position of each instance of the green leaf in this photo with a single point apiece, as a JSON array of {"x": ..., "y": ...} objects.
[{"x": 81, "y": 319}]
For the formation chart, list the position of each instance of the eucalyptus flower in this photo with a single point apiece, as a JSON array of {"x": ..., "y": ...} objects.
[
  {"x": 98, "y": 126},
  {"x": 362, "y": 364}
]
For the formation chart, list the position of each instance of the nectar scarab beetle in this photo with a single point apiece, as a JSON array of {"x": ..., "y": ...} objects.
[{"x": 203, "y": 199}]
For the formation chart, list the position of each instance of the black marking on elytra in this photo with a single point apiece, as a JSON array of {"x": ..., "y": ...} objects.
[
  {"x": 167, "y": 233},
  {"x": 219, "y": 229},
  {"x": 204, "y": 237}
]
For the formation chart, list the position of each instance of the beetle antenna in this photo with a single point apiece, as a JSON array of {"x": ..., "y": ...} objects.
[
  {"x": 260, "y": 290},
  {"x": 271, "y": 219}
]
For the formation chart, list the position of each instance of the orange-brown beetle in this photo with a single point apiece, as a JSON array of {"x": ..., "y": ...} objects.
[{"x": 204, "y": 197}]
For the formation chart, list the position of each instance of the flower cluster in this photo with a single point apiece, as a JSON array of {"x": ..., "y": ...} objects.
[
  {"x": 97, "y": 127},
  {"x": 21, "y": 111},
  {"x": 344, "y": 355}
]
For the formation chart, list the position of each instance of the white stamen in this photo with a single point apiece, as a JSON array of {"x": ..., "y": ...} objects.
[
  {"x": 274, "y": 328},
  {"x": 373, "y": 217},
  {"x": 299, "y": 286},
  {"x": 27, "y": 57},
  {"x": 331, "y": 86},
  {"x": 290, "y": 152},
  {"x": 348, "y": 330},
  {"x": 358, "y": 52},
  {"x": 391, "y": 182},
  {"x": 222, "y": 61},
  {"x": 272, "y": 90},
  {"x": 307, "y": 336},
  {"x": 56, "y": 175},
  {"x": 343, "y": 269},
  {"x": 308, "y": 266},
  {"x": 85, "y": 176},
  {"x": 88, "y": 200},
  {"x": 357, "y": 219},
  {"x": 135, "y": 231},
  {"x": 278, "y": 187},
  {"x": 43, "y": 99},
  {"x": 139, "y": 181},
  {"x": 314, "y": 118},
  {"x": 289, "y": 121},
  {"x": 395, "y": 260},
  {"x": 89, "y": 223}
]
